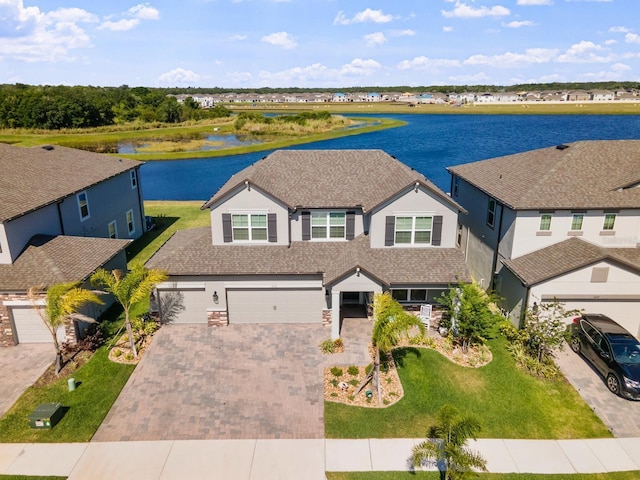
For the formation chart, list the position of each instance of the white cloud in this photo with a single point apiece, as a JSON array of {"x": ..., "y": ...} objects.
[
  {"x": 518, "y": 24},
  {"x": 426, "y": 63},
  {"x": 463, "y": 10},
  {"x": 632, "y": 38},
  {"x": 144, "y": 11},
  {"x": 134, "y": 15},
  {"x": 447, "y": 29},
  {"x": 179, "y": 76},
  {"x": 238, "y": 37},
  {"x": 120, "y": 25},
  {"x": 280, "y": 39},
  {"x": 510, "y": 59},
  {"x": 478, "y": 78},
  {"x": 367, "y": 15},
  {"x": 239, "y": 78},
  {"x": 535, "y": 2},
  {"x": 374, "y": 39},
  {"x": 405, "y": 33},
  {"x": 360, "y": 67},
  {"x": 610, "y": 42},
  {"x": 620, "y": 67},
  {"x": 584, "y": 52},
  {"x": 619, "y": 29}
]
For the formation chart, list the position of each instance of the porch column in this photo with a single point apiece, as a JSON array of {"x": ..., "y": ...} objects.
[{"x": 335, "y": 315}]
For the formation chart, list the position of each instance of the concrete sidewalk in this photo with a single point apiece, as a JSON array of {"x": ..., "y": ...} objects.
[{"x": 295, "y": 459}]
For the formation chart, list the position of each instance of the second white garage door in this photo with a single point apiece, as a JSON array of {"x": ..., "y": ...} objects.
[
  {"x": 188, "y": 306},
  {"x": 275, "y": 305},
  {"x": 30, "y": 328}
]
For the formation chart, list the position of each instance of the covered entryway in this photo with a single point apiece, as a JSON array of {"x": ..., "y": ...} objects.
[
  {"x": 275, "y": 305},
  {"x": 29, "y": 327}
]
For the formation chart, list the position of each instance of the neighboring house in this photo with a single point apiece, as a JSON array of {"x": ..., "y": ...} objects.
[
  {"x": 50, "y": 198},
  {"x": 527, "y": 208},
  {"x": 300, "y": 234}
]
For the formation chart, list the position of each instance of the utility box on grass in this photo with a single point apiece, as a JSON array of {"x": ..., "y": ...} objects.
[{"x": 46, "y": 415}]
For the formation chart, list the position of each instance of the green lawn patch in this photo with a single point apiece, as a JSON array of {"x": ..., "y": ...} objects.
[
  {"x": 508, "y": 403},
  {"x": 99, "y": 382},
  {"x": 26, "y": 477},
  {"x": 482, "y": 476},
  {"x": 168, "y": 217}
]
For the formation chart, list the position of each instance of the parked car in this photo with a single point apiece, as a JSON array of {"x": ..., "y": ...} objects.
[{"x": 612, "y": 351}]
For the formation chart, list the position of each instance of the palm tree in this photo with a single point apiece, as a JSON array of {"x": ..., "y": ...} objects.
[
  {"x": 392, "y": 323},
  {"x": 62, "y": 302},
  {"x": 445, "y": 447},
  {"x": 129, "y": 289}
]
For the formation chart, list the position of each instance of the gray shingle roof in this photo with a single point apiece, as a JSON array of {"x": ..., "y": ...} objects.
[
  {"x": 567, "y": 256},
  {"x": 48, "y": 260},
  {"x": 329, "y": 178},
  {"x": 589, "y": 174},
  {"x": 190, "y": 252},
  {"x": 34, "y": 177}
]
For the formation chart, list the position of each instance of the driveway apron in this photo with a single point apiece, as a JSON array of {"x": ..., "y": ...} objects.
[
  {"x": 622, "y": 417},
  {"x": 21, "y": 366},
  {"x": 235, "y": 382}
]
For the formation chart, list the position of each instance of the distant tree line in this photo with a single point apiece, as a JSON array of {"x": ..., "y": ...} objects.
[{"x": 56, "y": 107}]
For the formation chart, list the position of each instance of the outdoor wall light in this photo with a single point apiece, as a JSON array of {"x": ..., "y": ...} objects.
[{"x": 215, "y": 297}]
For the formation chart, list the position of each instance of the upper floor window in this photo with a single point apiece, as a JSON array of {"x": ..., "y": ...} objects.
[
  {"x": 249, "y": 227},
  {"x": 609, "y": 221},
  {"x": 113, "y": 230},
  {"x": 131, "y": 226},
  {"x": 83, "y": 205},
  {"x": 134, "y": 179},
  {"x": 413, "y": 230},
  {"x": 545, "y": 222},
  {"x": 576, "y": 222},
  {"x": 491, "y": 212},
  {"x": 456, "y": 186},
  {"x": 327, "y": 225}
]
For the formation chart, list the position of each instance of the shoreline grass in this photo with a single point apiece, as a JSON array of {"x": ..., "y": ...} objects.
[{"x": 630, "y": 475}]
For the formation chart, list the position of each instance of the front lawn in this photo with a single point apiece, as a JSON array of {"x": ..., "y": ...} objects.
[
  {"x": 508, "y": 403},
  {"x": 482, "y": 476},
  {"x": 99, "y": 382}
]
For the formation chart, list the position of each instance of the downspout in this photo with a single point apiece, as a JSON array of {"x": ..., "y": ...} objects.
[
  {"x": 143, "y": 221},
  {"x": 495, "y": 255},
  {"x": 60, "y": 218}
]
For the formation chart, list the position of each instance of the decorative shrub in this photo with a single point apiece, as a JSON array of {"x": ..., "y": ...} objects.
[
  {"x": 334, "y": 382},
  {"x": 353, "y": 370},
  {"x": 354, "y": 382},
  {"x": 336, "y": 371},
  {"x": 338, "y": 344},
  {"x": 327, "y": 346}
]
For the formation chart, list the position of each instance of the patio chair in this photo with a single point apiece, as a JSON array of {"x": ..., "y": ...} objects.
[{"x": 425, "y": 314}]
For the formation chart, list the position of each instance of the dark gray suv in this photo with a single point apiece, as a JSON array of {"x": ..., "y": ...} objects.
[{"x": 612, "y": 351}]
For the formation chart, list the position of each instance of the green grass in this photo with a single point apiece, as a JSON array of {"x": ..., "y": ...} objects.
[
  {"x": 28, "y": 477},
  {"x": 484, "y": 476},
  {"x": 508, "y": 403},
  {"x": 169, "y": 216},
  {"x": 99, "y": 383}
]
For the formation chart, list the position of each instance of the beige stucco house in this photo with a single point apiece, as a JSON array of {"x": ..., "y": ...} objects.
[{"x": 302, "y": 233}]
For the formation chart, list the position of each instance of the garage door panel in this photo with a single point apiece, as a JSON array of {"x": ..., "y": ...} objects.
[
  {"x": 623, "y": 312},
  {"x": 275, "y": 305},
  {"x": 30, "y": 328},
  {"x": 185, "y": 306}
]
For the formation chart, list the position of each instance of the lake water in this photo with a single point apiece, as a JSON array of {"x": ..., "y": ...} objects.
[{"x": 429, "y": 144}]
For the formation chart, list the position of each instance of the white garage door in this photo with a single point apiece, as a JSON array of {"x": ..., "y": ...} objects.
[
  {"x": 626, "y": 313},
  {"x": 275, "y": 306},
  {"x": 185, "y": 306},
  {"x": 30, "y": 328}
]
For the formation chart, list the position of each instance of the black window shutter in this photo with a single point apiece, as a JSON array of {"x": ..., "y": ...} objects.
[
  {"x": 436, "y": 232},
  {"x": 351, "y": 225},
  {"x": 306, "y": 225},
  {"x": 227, "y": 234},
  {"x": 272, "y": 227},
  {"x": 389, "y": 232}
]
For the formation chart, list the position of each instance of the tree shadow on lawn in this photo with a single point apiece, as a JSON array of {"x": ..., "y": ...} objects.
[{"x": 399, "y": 354}]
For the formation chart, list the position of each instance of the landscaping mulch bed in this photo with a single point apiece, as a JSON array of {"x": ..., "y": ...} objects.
[{"x": 70, "y": 365}]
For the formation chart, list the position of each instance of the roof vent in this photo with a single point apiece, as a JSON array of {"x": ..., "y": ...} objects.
[
  {"x": 562, "y": 146},
  {"x": 48, "y": 147}
]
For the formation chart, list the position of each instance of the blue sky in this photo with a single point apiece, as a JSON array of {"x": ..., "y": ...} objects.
[{"x": 317, "y": 43}]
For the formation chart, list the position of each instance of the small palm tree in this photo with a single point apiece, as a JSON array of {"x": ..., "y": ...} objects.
[
  {"x": 129, "y": 289},
  {"x": 445, "y": 447},
  {"x": 392, "y": 323},
  {"x": 62, "y": 302}
]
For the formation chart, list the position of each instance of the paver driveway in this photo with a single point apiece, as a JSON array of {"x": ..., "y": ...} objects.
[
  {"x": 236, "y": 382},
  {"x": 21, "y": 366},
  {"x": 622, "y": 417}
]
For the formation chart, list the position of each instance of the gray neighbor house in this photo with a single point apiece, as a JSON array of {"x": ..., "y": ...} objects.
[
  {"x": 63, "y": 214},
  {"x": 302, "y": 233}
]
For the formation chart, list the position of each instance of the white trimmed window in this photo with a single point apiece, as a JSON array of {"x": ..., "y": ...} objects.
[
  {"x": 609, "y": 221},
  {"x": 418, "y": 295},
  {"x": 328, "y": 225},
  {"x": 131, "y": 226},
  {"x": 491, "y": 212},
  {"x": 113, "y": 229},
  {"x": 83, "y": 205},
  {"x": 576, "y": 221},
  {"x": 413, "y": 230},
  {"x": 134, "y": 179},
  {"x": 545, "y": 222},
  {"x": 249, "y": 227}
]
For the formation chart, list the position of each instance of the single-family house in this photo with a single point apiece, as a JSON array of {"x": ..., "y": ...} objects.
[
  {"x": 560, "y": 222},
  {"x": 300, "y": 234},
  {"x": 63, "y": 214}
]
